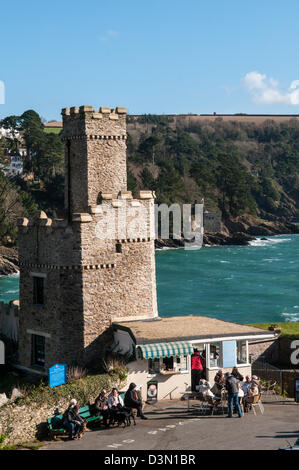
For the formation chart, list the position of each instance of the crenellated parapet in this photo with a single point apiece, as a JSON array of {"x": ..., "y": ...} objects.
[{"x": 86, "y": 123}]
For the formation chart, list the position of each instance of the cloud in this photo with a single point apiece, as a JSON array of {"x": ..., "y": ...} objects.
[
  {"x": 110, "y": 34},
  {"x": 266, "y": 91}
]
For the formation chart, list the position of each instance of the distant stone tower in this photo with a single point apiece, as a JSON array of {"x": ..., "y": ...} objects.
[{"x": 74, "y": 279}]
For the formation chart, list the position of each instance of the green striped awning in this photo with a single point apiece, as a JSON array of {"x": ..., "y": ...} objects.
[{"x": 151, "y": 351}]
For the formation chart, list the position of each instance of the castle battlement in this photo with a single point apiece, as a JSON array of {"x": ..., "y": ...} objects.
[{"x": 97, "y": 114}]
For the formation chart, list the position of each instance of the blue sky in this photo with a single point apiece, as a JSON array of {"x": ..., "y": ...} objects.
[{"x": 157, "y": 56}]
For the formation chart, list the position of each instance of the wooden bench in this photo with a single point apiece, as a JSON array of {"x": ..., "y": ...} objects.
[{"x": 55, "y": 426}]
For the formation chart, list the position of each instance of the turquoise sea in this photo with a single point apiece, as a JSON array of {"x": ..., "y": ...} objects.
[{"x": 257, "y": 283}]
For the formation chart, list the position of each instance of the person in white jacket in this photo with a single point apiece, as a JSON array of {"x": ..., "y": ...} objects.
[{"x": 115, "y": 404}]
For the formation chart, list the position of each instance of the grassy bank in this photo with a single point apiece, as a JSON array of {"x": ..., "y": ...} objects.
[
  {"x": 289, "y": 330},
  {"x": 82, "y": 389}
]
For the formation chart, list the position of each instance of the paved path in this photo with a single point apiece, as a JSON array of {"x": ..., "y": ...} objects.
[{"x": 170, "y": 427}]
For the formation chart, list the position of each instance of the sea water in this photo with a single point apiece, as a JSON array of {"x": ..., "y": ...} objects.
[{"x": 245, "y": 284}]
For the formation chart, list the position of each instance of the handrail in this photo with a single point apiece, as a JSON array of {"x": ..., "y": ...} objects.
[{"x": 169, "y": 393}]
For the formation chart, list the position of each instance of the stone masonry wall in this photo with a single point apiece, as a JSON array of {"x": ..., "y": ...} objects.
[{"x": 266, "y": 350}]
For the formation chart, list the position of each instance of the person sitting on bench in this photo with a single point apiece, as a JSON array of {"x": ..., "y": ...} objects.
[
  {"x": 72, "y": 420},
  {"x": 115, "y": 404},
  {"x": 132, "y": 400},
  {"x": 100, "y": 407}
]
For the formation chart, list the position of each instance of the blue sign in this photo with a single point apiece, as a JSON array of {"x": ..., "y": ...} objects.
[
  {"x": 57, "y": 375},
  {"x": 229, "y": 353}
]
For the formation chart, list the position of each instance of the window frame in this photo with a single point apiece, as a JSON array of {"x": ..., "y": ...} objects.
[
  {"x": 175, "y": 366},
  {"x": 35, "y": 362}
]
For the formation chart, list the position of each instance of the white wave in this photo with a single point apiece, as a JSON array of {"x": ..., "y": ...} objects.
[
  {"x": 221, "y": 261},
  {"x": 291, "y": 317},
  {"x": 268, "y": 241},
  {"x": 13, "y": 275},
  {"x": 12, "y": 291},
  {"x": 271, "y": 259}
]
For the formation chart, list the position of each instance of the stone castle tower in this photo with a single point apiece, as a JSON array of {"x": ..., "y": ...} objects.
[{"x": 77, "y": 275}]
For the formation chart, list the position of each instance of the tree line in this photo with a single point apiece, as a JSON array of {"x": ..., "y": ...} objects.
[{"x": 237, "y": 167}]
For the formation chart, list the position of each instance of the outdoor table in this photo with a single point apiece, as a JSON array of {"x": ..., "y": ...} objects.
[{"x": 190, "y": 396}]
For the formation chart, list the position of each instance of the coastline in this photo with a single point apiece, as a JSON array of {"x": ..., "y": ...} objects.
[
  {"x": 9, "y": 261},
  {"x": 239, "y": 231}
]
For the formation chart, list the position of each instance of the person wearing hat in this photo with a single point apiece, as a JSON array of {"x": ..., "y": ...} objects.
[
  {"x": 253, "y": 390},
  {"x": 70, "y": 421},
  {"x": 133, "y": 400}
]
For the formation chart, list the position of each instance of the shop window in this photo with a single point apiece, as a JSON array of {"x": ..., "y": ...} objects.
[
  {"x": 38, "y": 290},
  {"x": 241, "y": 352},
  {"x": 182, "y": 363},
  {"x": 214, "y": 354},
  {"x": 38, "y": 350},
  {"x": 168, "y": 365},
  {"x": 154, "y": 366}
]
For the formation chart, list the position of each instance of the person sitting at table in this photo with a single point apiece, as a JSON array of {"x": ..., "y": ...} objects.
[
  {"x": 256, "y": 383},
  {"x": 205, "y": 388},
  {"x": 240, "y": 394},
  {"x": 219, "y": 378},
  {"x": 246, "y": 385},
  {"x": 254, "y": 389},
  {"x": 252, "y": 392},
  {"x": 115, "y": 404}
]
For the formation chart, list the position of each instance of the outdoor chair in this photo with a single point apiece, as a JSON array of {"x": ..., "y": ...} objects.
[
  {"x": 203, "y": 405},
  {"x": 215, "y": 405},
  {"x": 256, "y": 401}
]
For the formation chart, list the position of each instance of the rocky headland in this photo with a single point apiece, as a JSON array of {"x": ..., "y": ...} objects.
[
  {"x": 239, "y": 231},
  {"x": 9, "y": 262}
]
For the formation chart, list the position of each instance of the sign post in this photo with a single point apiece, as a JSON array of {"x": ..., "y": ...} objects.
[
  {"x": 57, "y": 375},
  {"x": 152, "y": 392}
]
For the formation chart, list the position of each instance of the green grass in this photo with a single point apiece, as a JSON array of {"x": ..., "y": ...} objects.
[
  {"x": 53, "y": 130},
  {"x": 289, "y": 330}
]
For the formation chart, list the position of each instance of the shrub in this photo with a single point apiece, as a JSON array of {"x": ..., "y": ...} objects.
[{"x": 75, "y": 373}]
